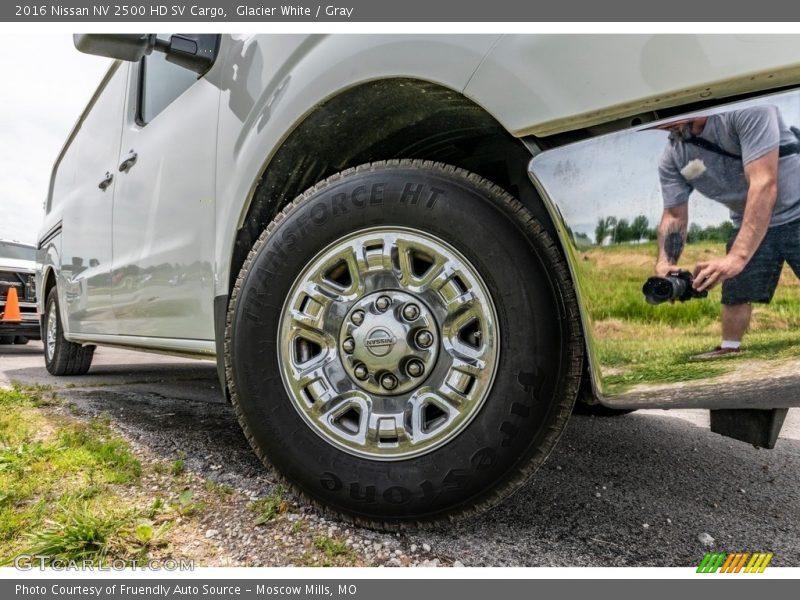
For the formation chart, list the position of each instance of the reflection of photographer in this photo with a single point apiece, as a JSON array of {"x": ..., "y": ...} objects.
[
  {"x": 675, "y": 285},
  {"x": 748, "y": 160}
]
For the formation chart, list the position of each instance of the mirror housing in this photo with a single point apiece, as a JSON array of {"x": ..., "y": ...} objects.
[
  {"x": 195, "y": 52},
  {"x": 127, "y": 46}
]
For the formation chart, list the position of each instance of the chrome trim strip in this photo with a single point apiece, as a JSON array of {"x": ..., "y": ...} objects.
[
  {"x": 51, "y": 233},
  {"x": 190, "y": 348},
  {"x": 567, "y": 247}
]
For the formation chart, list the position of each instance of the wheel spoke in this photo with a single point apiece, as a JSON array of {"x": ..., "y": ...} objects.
[
  {"x": 377, "y": 254},
  {"x": 338, "y": 277},
  {"x": 347, "y": 417},
  {"x": 464, "y": 333},
  {"x": 430, "y": 412},
  {"x": 308, "y": 316}
]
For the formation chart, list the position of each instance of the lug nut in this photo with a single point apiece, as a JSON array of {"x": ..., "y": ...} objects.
[
  {"x": 382, "y": 303},
  {"x": 357, "y": 317},
  {"x": 424, "y": 339},
  {"x": 410, "y": 312},
  {"x": 361, "y": 372},
  {"x": 389, "y": 381},
  {"x": 349, "y": 345},
  {"x": 415, "y": 368}
]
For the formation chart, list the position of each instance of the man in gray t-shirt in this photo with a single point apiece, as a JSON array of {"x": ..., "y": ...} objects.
[{"x": 748, "y": 160}]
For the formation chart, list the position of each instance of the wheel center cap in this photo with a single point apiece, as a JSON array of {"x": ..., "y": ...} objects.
[
  {"x": 380, "y": 341},
  {"x": 388, "y": 342}
]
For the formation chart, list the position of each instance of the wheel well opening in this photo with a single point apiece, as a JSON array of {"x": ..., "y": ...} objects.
[
  {"x": 49, "y": 283},
  {"x": 382, "y": 120}
]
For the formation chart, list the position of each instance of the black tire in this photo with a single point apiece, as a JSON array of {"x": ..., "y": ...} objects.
[
  {"x": 6, "y": 340},
  {"x": 538, "y": 370},
  {"x": 67, "y": 358},
  {"x": 21, "y": 340}
]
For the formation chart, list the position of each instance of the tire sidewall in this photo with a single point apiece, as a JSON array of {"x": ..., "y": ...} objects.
[
  {"x": 52, "y": 300},
  {"x": 512, "y": 432}
]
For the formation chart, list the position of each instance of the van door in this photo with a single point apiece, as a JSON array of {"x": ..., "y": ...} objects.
[
  {"x": 163, "y": 220},
  {"x": 85, "y": 276}
]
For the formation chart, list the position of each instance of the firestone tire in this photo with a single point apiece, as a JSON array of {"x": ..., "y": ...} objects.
[
  {"x": 504, "y": 259},
  {"x": 62, "y": 357},
  {"x": 21, "y": 340}
]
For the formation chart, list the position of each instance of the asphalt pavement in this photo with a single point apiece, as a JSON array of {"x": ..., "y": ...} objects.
[{"x": 650, "y": 488}]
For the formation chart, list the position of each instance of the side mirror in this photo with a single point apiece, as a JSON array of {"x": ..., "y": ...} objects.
[
  {"x": 195, "y": 52},
  {"x": 127, "y": 46}
]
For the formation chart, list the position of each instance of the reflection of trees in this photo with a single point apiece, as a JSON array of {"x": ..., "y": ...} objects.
[
  {"x": 620, "y": 231},
  {"x": 639, "y": 228},
  {"x": 605, "y": 226},
  {"x": 712, "y": 233}
]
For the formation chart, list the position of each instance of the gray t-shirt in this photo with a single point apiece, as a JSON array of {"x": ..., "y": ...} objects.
[{"x": 750, "y": 133}]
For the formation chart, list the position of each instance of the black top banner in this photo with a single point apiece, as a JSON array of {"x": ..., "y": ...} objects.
[{"x": 440, "y": 11}]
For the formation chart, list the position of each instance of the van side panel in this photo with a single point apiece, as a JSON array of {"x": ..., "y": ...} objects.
[
  {"x": 546, "y": 84},
  {"x": 85, "y": 271},
  {"x": 163, "y": 219}
]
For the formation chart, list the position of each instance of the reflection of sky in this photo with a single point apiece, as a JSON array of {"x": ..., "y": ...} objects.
[{"x": 617, "y": 174}]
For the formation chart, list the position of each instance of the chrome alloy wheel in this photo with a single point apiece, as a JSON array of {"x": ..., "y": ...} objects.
[
  {"x": 50, "y": 332},
  {"x": 388, "y": 343}
]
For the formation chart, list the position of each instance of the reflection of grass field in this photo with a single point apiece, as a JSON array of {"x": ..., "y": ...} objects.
[{"x": 639, "y": 343}]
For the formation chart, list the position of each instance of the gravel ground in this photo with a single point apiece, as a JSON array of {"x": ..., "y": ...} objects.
[{"x": 653, "y": 488}]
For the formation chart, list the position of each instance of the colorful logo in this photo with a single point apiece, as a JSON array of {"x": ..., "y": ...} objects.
[{"x": 744, "y": 562}]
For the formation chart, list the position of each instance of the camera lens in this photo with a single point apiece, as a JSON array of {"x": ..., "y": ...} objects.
[{"x": 663, "y": 289}]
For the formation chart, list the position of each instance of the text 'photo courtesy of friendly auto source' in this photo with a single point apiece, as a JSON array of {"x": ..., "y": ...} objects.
[{"x": 413, "y": 256}]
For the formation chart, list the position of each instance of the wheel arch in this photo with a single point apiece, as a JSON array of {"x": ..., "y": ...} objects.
[
  {"x": 413, "y": 118},
  {"x": 48, "y": 283}
]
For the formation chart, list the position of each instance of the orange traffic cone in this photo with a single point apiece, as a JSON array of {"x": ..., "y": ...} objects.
[{"x": 12, "y": 306}]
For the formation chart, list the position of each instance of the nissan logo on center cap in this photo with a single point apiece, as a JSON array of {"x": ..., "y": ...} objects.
[{"x": 380, "y": 341}]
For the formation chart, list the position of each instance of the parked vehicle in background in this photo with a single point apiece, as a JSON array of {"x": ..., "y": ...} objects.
[
  {"x": 19, "y": 319},
  {"x": 375, "y": 238}
]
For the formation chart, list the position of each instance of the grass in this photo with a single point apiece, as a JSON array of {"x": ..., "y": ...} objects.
[
  {"x": 638, "y": 343},
  {"x": 178, "y": 467},
  {"x": 298, "y": 526},
  {"x": 220, "y": 489},
  {"x": 269, "y": 507},
  {"x": 68, "y": 488},
  {"x": 185, "y": 504},
  {"x": 79, "y": 533},
  {"x": 332, "y": 548},
  {"x": 325, "y": 551},
  {"x": 55, "y": 477},
  {"x": 73, "y": 490}
]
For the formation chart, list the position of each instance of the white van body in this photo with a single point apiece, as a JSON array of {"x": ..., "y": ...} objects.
[
  {"x": 140, "y": 263},
  {"x": 168, "y": 179}
]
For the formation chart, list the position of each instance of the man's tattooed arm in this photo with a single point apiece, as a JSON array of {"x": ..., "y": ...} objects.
[
  {"x": 673, "y": 244},
  {"x": 671, "y": 237}
]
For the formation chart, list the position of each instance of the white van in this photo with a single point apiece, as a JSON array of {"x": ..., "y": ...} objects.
[{"x": 353, "y": 227}]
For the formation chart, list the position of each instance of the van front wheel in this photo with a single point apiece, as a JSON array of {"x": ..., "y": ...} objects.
[{"x": 403, "y": 344}]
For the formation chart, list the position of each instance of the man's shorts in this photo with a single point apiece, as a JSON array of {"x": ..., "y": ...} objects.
[{"x": 760, "y": 277}]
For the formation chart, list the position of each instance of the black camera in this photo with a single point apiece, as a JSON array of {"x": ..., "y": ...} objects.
[{"x": 675, "y": 286}]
